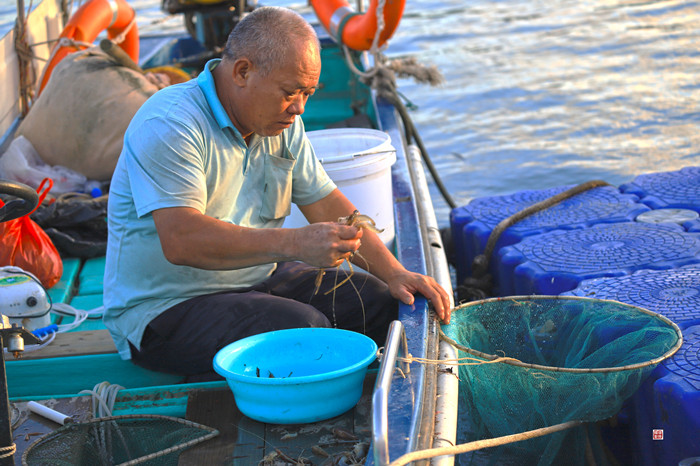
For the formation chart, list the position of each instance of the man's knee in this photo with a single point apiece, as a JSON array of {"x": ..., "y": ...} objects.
[{"x": 295, "y": 314}]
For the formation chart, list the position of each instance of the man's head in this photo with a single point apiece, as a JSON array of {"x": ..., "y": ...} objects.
[{"x": 270, "y": 66}]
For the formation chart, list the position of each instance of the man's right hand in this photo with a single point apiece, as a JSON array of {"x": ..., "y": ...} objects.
[{"x": 326, "y": 244}]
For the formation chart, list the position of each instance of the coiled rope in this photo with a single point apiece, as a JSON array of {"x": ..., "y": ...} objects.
[
  {"x": 6, "y": 452},
  {"x": 104, "y": 395}
]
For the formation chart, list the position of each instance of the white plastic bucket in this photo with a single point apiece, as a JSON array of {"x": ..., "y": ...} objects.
[{"x": 359, "y": 162}]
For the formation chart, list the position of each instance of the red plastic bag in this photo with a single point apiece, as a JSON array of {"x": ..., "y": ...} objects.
[{"x": 26, "y": 245}]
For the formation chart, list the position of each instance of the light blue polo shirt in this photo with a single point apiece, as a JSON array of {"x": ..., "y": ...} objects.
[{"x": 181, "y": 150}]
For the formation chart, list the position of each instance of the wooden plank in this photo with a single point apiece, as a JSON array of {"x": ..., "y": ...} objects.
[
  {"x": 240, "y": 440},
  {"x": 79, "y": 343}
]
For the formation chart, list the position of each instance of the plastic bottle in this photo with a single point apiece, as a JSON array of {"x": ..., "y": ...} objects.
[{"x": 94, "y": 188}]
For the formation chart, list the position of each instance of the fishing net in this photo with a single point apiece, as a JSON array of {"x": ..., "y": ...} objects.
[
  {"x": 528, "y": 362},
  {"x": 118, "y": 440}
]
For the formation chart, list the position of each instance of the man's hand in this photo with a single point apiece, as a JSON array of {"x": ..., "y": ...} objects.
[
  {"x": 327, "y": 244},
  {"x": 405, "y": 284}
]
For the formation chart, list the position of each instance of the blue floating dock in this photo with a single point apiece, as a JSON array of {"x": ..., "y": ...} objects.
[
  {"x": 679, "y": 189},
  {"x": 673, "y": 293},
  {"x": 558, "y": 261},
  {"x": 667, "y": 408},
  {"x": 471, "y": 225}
]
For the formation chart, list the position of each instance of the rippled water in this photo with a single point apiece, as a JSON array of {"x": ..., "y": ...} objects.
[{"x": 543, "y": 93}]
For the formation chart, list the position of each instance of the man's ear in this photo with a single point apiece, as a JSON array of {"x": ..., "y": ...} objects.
[{"x": 241, "y": 71}]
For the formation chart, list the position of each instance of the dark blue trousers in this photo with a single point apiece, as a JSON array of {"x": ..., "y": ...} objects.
[{"x": 184, "y": 339}]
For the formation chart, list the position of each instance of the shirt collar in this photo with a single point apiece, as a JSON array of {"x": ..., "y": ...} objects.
[{"x": 206, "y": 83}]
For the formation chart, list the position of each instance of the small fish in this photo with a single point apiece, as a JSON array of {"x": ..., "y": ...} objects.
[
  {"x": 343, "y": 434},
  {"x": 318, "y": 451}
]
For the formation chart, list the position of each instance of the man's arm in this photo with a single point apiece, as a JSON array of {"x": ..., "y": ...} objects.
[
  {"x": 377, "y": 259},
  {"x": 191, "y": 238}
]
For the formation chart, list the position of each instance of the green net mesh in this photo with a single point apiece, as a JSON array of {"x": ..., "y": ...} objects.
[
  {"x": 529, "y": 362},
  {"x": 118, "y": 440}
]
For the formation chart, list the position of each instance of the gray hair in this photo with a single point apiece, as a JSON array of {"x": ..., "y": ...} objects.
[{"x": 265, "y": 35}]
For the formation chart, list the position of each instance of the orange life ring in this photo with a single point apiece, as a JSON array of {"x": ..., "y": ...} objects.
[
  {"x": 357, "y": 30},
  {"x": 86, "y": 24}
]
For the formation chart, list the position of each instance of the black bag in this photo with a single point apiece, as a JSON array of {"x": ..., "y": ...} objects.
[{"x": 76, "y": 223}]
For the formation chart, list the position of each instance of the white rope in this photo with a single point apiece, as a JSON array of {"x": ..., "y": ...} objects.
[
  {"x": 374, "y": 49},
  {"x": 62, "y": 309},
  {"x": 80, "y": 316},
  {"x": 479, "y": 444},
  {"x": 120, "y": 38},
  {"x": 379, "y": 15},
  {"x": 45, "y": 341},
  {"x": 104, "y": 396},
  {"x": 62, "y": 42},
  {"x": 382, "y": 74},
  {"x": 464, "y": 361}
]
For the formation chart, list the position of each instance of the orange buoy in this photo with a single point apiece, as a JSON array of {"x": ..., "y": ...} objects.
[
  {"x": 93, "y": 17},
  {"x": 357, "y": 30}
]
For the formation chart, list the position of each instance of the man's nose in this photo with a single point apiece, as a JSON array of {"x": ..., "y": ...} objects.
[{"x": 297, "y": 106}]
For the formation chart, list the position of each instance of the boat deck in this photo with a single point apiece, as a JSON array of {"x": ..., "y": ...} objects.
[{"x": 241, "y": 440}]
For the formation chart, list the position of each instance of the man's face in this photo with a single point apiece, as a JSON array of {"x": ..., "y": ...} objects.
[{"x": 275, "y": 99}]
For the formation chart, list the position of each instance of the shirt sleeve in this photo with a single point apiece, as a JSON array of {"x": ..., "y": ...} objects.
[{"x": 165, "y": 166}]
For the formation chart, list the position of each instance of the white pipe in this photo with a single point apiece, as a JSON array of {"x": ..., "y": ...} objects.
[
  {"x": 48, "y": 413},
  {"x": 445, "y": 433}
]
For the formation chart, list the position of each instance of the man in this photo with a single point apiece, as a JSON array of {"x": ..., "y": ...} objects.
[{"x": 196, "y": 258}]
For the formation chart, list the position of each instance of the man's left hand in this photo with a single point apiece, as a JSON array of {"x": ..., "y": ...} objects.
[{"x": 405, "y": 284}]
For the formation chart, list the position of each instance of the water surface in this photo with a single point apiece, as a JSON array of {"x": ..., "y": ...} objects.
[{"x": 538, "y": 93}]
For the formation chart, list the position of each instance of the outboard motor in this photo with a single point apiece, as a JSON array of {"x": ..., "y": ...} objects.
[{"x": 209, "y": 21}]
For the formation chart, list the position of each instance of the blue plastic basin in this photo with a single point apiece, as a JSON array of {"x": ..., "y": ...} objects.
[{"x": 297, "y": 375}]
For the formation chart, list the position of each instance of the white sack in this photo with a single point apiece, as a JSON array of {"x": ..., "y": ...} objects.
[{"x": 80, "y": 118}]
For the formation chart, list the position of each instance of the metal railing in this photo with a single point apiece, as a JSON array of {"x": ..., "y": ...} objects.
[{"x": 395, "y": 344}]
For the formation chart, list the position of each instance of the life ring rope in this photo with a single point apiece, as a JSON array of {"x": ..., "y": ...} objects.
[
  {"x": 369, "y": 30},
  {"x": 121, "y": 37},
  {"x": 62, "y": 42}
]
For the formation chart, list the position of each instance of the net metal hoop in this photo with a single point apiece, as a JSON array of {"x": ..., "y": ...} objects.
[
  {"x": 515, "y": 362},
  {"x": 101, "y": 420}
]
